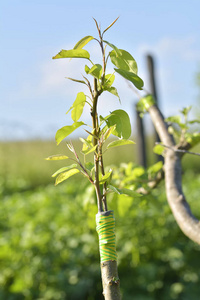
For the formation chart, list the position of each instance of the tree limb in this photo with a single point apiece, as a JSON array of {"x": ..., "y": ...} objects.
[{"x": 188, "y": 223}]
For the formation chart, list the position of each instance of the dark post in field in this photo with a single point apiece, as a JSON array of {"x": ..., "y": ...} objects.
[{"x": 153, "y": 91}]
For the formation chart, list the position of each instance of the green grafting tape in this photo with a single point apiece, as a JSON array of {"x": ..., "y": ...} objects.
[{"x": 106, "y": 231}]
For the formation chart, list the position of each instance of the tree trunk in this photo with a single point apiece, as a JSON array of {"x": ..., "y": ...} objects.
[
  {"x": 110, "y": 280},
  {"x": 188, "y": 223}
]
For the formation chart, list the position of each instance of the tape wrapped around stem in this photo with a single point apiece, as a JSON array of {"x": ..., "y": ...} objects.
[{"x": 106, "y": 230}]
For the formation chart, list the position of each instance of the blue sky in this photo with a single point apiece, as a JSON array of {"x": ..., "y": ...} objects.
[{"x": 34, "y": 92}]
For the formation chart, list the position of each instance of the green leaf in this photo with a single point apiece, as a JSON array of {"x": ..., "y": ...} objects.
[
  {"x": 78, "y": 106},
  {"x": 158, "y": 149},
  {"x": 66, "y": 130},
  {"x": 194, "y": 121},
  {"x": 193, "y": 138},
  {"x": 174, "y": 119},
  {"x": 145, "y": 103},
  {"x": 95, "y": 71},
  {"x": 57, "y": 157},
  {"x": 109, "y": 79},
  {"x": 83, "y": 42},
  {"x": 121, "y": 119},
  {"x": 64, "y": 169},
  {"x": 109, "y": 131},
  {"x": 155, "y": 168},
  {"x": 74, "y": 53},
  {"x": 87, "y": 69},
  {"x": 186, "y": 110},
  {"x": 89, "y": 166},
  {"x": 105, "y": 177},
  {"x": 136, "y": 80},
  {"x": 76, "y": 80},
  {"x": 124, "y": 191},
  {"x": 66, "y": 175},
  {"x": 116, "y": 50},
  {"x": 90, "y": 150},
  {"x": 110, "y": 25},
  {"x": 120, "y": 142},
  {"x": 113, "y": 91},
  {"x": 123, "y": 60}
]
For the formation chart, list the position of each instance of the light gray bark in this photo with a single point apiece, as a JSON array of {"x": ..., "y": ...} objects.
[{"x": 188, "y": 223}]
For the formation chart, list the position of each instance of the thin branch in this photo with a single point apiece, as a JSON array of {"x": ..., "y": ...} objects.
[
  {"x": 80, "y": 164},
  {"x": 179, "y": 150}
]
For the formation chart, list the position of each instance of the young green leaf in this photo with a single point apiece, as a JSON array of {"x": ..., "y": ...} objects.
[
  {"x": 145, "y": 103},
  {"x": 109, "y": 79},
  {"x": 123, "y": 191},
  {"x": 95, "y": 71},
  {"x": 112, "y": 90},
  {"x": 57, "y": 157},
  {"x": 115, "y": 49},
  {"x": 66, "y": 175},
  {"x": 155, "y": 168},
  {"x": 74, "y": 53},
  {"x": 78, "y": 106},
  {"x": 174, "y": 119},
  {"x": 120, "y": 142},
  {"x": 109, "y": 131},
  {"x": 159, "y": 149},
  {"x": 76, "y": 80},
  {"x": 66, "y": 130},
  {"x": 121, "y": 119},
  {"x": 90, "y": 150},
  {"x": 61, "y": 170},
  {"x": 87, "y": 69},
  {"x": 123, "y": 60},
  {"x": 105, "y": 177},
  {"x": 83, "y": 42},
  {"x": 136, "y": 80},
  {"x": 110, "y": 25}
]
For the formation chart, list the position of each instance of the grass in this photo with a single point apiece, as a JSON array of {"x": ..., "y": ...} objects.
[{"x": 22, "y": 164}]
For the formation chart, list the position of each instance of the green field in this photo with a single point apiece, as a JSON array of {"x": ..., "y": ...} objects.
[{"x": 48, "y": 242}]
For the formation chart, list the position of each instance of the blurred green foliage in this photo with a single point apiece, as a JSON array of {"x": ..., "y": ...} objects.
[{"x": 49, "y": 245}]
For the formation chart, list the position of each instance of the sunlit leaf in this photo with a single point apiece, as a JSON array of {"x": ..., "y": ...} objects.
[
  {"x": 158, "y": 149},
  {"x": 123, "y": 191},
  {"x": 57, "y": 157},
  {"x": 155, "y": 168},
  {"x": 87, "y": 69},
  {"x": 123, "y": 60},
  {"x": 95, "y": 71},
  {"x": 76, "y": 80},
  {"x": 66, "y": 130},
  {"x": 78, "y": 106},
  {"x": 121, "y": 119},
  {"x": 115, "y": 49},
  {"x": 136, "y": 80},
  {"x": 105, "y": 177},
  {"x": 113, "y": 91},
  {"x": 109, "y": 131},
  {"x": 83, "y": 42},
  {"x": 74, "y": 53},
  {"x": 64, "y": 169},
  {"x": 145, "y": 103},
  {"x": 90, "y": 150},
  {"x": 110, "y": 25},
  {"x": 66, "y": 175},
  {"x": 120, "y": 142},
  {"x": 109, "y": 79},
  {"x": 174, "y": 119}
]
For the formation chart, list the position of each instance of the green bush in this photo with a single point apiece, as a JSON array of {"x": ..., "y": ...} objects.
[{"x": 49, "y": 246}]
